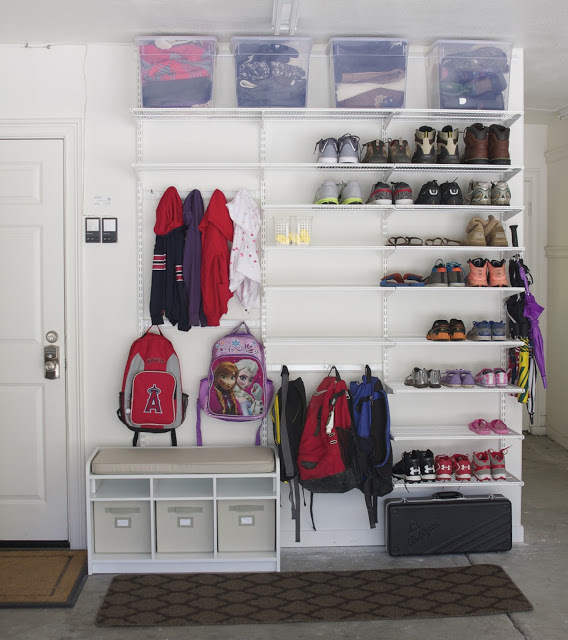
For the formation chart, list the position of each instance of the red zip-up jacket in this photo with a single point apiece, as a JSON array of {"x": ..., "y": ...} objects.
[{"x": 216, "y": 233}]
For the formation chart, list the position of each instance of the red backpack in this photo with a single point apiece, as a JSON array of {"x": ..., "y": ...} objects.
[
  {"x": 327, "y": 456},
  {"x": 152, "y": 399}
]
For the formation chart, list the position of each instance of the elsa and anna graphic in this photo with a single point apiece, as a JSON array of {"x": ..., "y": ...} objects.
[{"x": 233, "y": 392}]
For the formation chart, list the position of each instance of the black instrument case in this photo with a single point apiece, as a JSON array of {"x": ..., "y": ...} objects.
[{"x": 448, "y": 522}]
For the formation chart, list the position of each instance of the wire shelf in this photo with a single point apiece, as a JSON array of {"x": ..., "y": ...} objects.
[
  {"x": 423, "y": 115},
  {"x": 400, "y": 387},
  {"x": 436, "y": 432},
  {"x": 419, "y": 341},
  {"x": 329, "y": 340},
  {"x": 511, "y": 480}
]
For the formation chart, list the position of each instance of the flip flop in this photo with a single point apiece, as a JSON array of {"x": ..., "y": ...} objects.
[
  {"x": 393, "y": 280},
  {"x": 413, "y": 280},
  {"x": 498, "y": 426},
  {"x": 434, "y": 242},
  {"x": 451, "y": 243},
  {"x": 480, "y": 427}
]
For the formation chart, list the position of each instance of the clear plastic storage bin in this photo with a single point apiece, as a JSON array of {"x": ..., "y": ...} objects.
[
  {"x": 469, "y": 74},
  {"x": 176, "y": 71},
  {"x": 368, "y": 73},
  {"x": 271, "y": 71}
]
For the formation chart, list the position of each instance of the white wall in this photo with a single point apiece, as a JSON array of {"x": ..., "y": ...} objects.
[
  {"x": 557, "y": 255},
  {"x": 97, "y": 84}
]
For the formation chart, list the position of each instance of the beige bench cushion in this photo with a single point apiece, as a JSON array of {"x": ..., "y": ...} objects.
[{"x": 207, "y": 460}]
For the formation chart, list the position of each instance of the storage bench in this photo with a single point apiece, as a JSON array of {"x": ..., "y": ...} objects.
[{"x": 183, "y": 509}]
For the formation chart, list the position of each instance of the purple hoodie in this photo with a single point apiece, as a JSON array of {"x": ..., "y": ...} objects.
[{"x": 192, "y": 215}]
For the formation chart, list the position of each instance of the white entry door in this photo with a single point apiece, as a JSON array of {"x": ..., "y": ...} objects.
[{"x": 33, "y": 427}]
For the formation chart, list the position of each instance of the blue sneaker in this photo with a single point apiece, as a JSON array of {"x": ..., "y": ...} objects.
[
  {"x": 455, "y": 274},
  {"x": 498, "y": 330},
  {"x": 480, "y": 331}
]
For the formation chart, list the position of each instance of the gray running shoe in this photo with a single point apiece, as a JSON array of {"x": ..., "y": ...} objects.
[
  {"x": 401, "y": 193},
  {"x": 348, "y": 148},
  {"x": 500, "y": 194},
  {"x": 381, "y": 193},
  {"x": 399, "y": 151},
  {"x": 478, "y": 193},
  {"x": 327, "y": 193},
  {"x": 351, "y": 193},
  {"x": 327, "y": 151}
]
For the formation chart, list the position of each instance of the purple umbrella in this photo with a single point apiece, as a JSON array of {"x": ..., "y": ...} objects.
[{"x": 532, "y": 311}]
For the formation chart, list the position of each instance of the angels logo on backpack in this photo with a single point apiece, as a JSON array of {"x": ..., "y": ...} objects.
[
  {"x": 236, "y": 388},
  {"x": 152, "y": 399}
]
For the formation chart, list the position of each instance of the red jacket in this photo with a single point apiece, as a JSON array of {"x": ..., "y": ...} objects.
[{"x": 216, "y": 232}]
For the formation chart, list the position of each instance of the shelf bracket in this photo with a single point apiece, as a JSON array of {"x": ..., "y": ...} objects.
[{"x": 285, "y": 16}]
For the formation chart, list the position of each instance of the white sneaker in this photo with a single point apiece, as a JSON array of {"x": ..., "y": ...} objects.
[
  {"x": 351, "y": 193},
  {"x": 328, "y": 151},
  {"x": 327, "y": 193},
  {"x": 348, "y": 148}
]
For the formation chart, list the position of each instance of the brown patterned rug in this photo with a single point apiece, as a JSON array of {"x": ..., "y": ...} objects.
[
  {"x": 244, "y": 598},
  {"x": 41, "y": 578}
]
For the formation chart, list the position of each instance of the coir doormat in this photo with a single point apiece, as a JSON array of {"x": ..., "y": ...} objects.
[
  {"x": 41, "y": 578},
  {"x": 244, "y": 598}
]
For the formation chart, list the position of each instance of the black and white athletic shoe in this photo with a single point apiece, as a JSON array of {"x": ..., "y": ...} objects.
[
  {"x": 429, "y": 194},
  {"x": 408, "y": 468},
  {"x": 427, "y": 466}
]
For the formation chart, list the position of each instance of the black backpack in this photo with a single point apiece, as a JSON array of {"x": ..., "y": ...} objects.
[
  {"x": 288, "y": 417},
  {"x": 371, "y": 421}
]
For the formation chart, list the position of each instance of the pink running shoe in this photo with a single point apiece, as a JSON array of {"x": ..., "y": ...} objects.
[
  {"x": 477, "y": 276},
  {"x": 443, "y": 465},
  {"x": 501, "y": 378},
  {"x": 497, "y": 462},
  {"x": 485, "y": 378},
  {"x": 481, "y": 466},
  {"x": 461, "y": 466}
]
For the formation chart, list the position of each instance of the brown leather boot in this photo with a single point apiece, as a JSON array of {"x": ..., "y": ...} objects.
[
  {"x": 476, "y": 142},
  {"x": 499, "y": 144}
]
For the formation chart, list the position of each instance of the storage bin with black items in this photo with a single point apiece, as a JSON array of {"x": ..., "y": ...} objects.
[
  {"x": 448, "y": 522},
  {"x": 271, "y": 71},
  {"x": 469, "y": 74}
]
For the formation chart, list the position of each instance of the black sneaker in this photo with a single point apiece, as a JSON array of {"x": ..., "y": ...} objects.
[
  {"x": 427, "y": 467},
  {"x": 429, "y": 194},
  {"x": 408, "y": 468},
  {"x": 451, "y": 193}
]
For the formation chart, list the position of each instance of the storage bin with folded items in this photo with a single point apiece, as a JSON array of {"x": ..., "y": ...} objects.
[
  {"x": 368, "y": 73},
  {"x": 176, "y": 71},
  {"x": 271, "y": 71}
]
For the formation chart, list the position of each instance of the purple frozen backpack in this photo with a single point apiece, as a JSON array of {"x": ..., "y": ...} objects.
[{"x": 236, "y": 388}]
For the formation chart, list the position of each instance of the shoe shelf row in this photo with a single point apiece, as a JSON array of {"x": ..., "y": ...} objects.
[
  {"x": 411, "y": 290},
  {"x": 385, "y": 116},
  {"x": 400, "y": 387},
  {"x": 458, "y": 432},
  {"x": 381, "y": 171},
  {"x": 394, "y": 341},
  {"x": 511, "y": 480},
  {"x": 389, "y": 249}
]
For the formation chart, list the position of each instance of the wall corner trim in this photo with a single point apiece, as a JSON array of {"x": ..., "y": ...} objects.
[
  {"x": 556, "y": 251},
  {"x": 557, "y": 154}
]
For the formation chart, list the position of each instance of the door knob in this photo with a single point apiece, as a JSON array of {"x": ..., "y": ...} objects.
[{"x": 51, "y": 362}]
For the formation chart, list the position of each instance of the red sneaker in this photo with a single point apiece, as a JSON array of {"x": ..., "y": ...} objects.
[
  {"x": 443, "y": 466},
  {"x": 497, "y": 462},
  {"x": 461, "y": 466}
]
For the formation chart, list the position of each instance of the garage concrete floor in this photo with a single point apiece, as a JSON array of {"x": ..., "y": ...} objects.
[{"x": 539, "y": 567}]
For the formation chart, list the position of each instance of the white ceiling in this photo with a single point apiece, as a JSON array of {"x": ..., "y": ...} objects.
[{"x": 539, "y": 26}]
